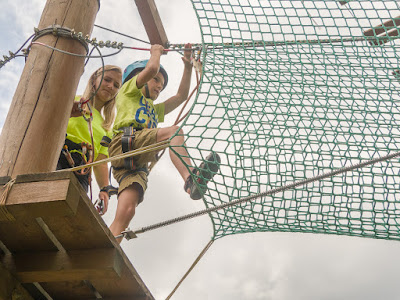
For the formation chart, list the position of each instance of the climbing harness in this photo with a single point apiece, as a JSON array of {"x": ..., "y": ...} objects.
[
  {"x": 130, "y": 164},
  {"x": 154, "y": 147},
  {"x": 85, "y": 151},
  {"x": 105, "y": 141},
  {"x": 127, "y": 139},
  {"x": 90, "y": 127},
  {"x": 89, "y": 120}
]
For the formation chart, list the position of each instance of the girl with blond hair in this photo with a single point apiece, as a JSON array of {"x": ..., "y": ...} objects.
[{"x": 101, "y": 90}]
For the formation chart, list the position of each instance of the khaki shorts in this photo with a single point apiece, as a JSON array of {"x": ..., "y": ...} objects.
[{"x": 125, "y": 177}]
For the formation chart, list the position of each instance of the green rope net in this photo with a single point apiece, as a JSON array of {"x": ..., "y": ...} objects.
[{"x": 293, "y": 89}]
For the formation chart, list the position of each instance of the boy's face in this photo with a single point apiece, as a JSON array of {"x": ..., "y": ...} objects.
[{"x": 155, "y": 86}]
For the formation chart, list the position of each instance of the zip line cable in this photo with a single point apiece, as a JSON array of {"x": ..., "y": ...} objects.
[
  {"x": 123, "y": 34},
  {"x": 78, "y": 55},
  {"x": 59, "y": 31}
]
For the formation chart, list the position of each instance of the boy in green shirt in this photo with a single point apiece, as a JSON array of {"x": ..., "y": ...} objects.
[{"x": 136, "y": 126}]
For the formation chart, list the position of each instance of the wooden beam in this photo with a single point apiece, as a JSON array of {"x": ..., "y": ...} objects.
[
  {"x": 390, "y": 28},
  {"x": 33, "y": 196},
  {"x": 396, "y": 74},
  {"x": 79, "y": 229},
  {"x": 65, "y": 266},
  {"x": 152, "y": 22},
  {"x": 35, "y": 127},
  {"x": 11, "y": 288}
]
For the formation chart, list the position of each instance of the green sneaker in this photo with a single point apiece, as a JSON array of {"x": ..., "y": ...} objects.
[{"x": 197, "y": 183}]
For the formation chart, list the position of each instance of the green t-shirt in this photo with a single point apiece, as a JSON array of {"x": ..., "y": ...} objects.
[
  {"x": 78, "y": 131},
  {"x": 134, "y": 109}
]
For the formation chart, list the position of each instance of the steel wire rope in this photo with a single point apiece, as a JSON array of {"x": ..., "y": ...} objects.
[
  {"x": 259, "y": 195},
  {"x": 259, "y": 43},
  {"x": 123, "y": 34},
  {"x": 15, "y": 54}
]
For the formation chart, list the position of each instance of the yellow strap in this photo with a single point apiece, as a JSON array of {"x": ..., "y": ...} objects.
[{"x": 143, "y": 150}]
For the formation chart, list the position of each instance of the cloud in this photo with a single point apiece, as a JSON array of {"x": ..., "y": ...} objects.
[{"x": 259, "y": 266}]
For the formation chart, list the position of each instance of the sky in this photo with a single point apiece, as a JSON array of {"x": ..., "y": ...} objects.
[{"x": 257, "y": 266}]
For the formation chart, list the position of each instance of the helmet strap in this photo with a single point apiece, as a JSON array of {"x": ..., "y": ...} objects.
[{"x": 146, "y": 88}]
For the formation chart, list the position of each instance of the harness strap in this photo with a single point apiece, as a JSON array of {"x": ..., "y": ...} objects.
[
  {"x": 110, "y": 190},
  {"x": 105, "y": 141},
  {"x": 127, "y": 145},
  {"x": 85, "y": 152},
  {"x": 146, "y": 87}
]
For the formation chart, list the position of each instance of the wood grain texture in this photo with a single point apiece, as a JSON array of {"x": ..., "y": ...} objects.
[
  {"x": 35, "y": 127},
  {"x": 90, "y": 252},
  {"x": 11, "y": 288},
  {"x": 65, "y": 266},
  {"x": 152, "y": 22}
]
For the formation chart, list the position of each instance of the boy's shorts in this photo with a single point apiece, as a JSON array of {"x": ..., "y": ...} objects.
[{"x": 125, "y": 177}]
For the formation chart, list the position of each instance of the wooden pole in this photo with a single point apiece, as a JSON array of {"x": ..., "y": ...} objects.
[
  {"x": 34, "y": 130},
  {"x": 152, "y": 22}
]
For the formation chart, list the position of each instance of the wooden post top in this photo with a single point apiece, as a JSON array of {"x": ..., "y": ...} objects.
[{"x": 152, "y": 22}]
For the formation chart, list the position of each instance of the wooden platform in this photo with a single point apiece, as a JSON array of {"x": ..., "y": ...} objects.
[{"x": 58, "y": 247}]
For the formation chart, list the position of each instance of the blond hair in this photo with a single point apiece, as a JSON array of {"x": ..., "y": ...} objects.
[{"x": 108, "y": 110}]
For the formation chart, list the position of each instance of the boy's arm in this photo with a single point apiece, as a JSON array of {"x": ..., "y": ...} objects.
[
  {"x": 183, "y": 90},
  {"x": 152, "y": 66}
]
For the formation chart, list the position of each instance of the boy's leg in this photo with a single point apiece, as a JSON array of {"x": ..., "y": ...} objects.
[
  {"x": 128, "y": 199},
  {"x": 207, "y": 169},
  {"x": 177, "y": 143}
]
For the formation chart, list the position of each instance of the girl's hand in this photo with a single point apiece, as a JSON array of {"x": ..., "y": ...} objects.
[
  {"x": 75, "y": 112},
  {"x": 103, "y": 196},
  {"x": 78, "y": 109}
]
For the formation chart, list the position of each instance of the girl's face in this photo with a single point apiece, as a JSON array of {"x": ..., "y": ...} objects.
[{"x": 109, "y": 86}]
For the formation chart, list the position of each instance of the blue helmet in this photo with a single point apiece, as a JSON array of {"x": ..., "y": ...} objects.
[{"x": 138, "y": 66}]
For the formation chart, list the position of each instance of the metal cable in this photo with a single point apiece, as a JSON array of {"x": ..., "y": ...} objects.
[
  {"x": 263, "y": 194},
  {"x": 57, "y": 30},
  {"x": 123, "y": 34}
]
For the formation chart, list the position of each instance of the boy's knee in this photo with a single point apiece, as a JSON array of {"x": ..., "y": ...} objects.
[
  {"x": 174, "y": 129},
  {"x": 130, "y": 211},
  {"x": 169, "y": 132}
]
